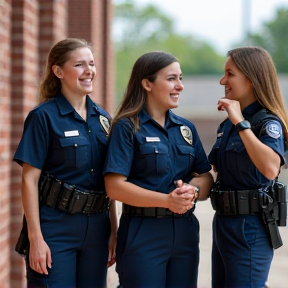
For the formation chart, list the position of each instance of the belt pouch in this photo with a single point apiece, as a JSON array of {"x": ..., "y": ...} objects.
[
  {"x": 243, "y": 202},
  {"x": 226, "y": 203},
  {"x": 44, "y": 187},
  {"x": 42, "y": 182},
  {"x": 213, "y": 200},
  {"x": 65, "y": 197},
  {"x": 99, "y": 202},
  {"x": 52, "y": 197},
  {"x": 89, "y": 207},
  {"x": 232, "y": 200},
  {"x": 149, "y": 212},
  {"x": 78, "y": 201},
  {"x": 254, "y": 201},
  {"x": 282, "y": 214}
]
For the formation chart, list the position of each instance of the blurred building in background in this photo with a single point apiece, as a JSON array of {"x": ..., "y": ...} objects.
[{"x": 28, "y": 29}]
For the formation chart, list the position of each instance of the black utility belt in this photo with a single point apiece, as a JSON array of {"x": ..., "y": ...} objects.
[
  {"x": 241, "y": 202},
  {"x": 153, "y": 212},
  {"x": 59, "y": 195}
]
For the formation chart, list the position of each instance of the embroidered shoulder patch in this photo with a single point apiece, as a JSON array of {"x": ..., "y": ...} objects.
[{"x": 273, "y": 129}]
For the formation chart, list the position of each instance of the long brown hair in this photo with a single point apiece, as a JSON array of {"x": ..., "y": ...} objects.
[
  {"x": 257, "y": 64},
  {"x": 58, "y": 55},
  {"x": 146, "y": 67}
]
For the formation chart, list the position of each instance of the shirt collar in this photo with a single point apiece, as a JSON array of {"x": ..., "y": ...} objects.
[
  {"x": 144, "y": 116},
  {"x": 65, "y": 107},
  {"x": 251, "y": 109}
]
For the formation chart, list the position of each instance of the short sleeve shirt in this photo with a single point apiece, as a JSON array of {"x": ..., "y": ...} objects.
[
  {"x": 235, "y": 169},
  {"x": 154, "y": 157},
  {"x": 59, "y": 142}
]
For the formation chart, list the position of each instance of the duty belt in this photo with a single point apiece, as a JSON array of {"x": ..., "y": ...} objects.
[
  {"x": 236, "y": 202},
  {"x": 59, "y": 195},
  {"x": 153, "y": 212}
]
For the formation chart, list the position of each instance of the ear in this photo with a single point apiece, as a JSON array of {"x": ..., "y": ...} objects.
[
  {"x": 146, "y": 84},
  {"x": 250, "y": 82},
  {"x": 57, "y": 71}
]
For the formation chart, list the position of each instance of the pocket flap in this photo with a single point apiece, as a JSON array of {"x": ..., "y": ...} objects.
[
  {"x": 73, "y": 141},
  {"x": 153, "y": 148}
]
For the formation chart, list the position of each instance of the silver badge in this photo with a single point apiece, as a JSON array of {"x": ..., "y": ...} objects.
[
  {"x": 187, "y": 134},
  {"x": 105, "y": 124}
]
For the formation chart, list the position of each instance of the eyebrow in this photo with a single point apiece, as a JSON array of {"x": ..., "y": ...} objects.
[{"x": 175, "y": 75}]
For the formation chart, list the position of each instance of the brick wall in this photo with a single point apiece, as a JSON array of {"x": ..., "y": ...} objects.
[
  {"x": 5, "y": 130},
  {"x": 28, "y": 29}
]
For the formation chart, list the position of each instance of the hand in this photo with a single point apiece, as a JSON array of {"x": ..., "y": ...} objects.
[
  {"x": 112, "y": 249},
  {"x": 187, "y": 188},
  {"x": 182, "y": 198},
  {"x": 39, "y": 256},
  {"x": 233, "y": 108}
]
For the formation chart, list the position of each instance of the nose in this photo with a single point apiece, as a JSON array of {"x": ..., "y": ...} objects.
[
  {"x": 179, "y": 86},
  {"x": 223, "y": 80}
]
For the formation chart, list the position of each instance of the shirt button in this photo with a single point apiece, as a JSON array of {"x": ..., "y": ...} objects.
[
  {"x": 92, "y": 170},
  {"x": 75, "y": 144}
]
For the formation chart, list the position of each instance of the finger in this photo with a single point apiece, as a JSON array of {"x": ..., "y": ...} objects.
[
  {"x": 178, "y": 183},
  {"x": 43, "y": 267},
  {"x": 49, "y": 259}
]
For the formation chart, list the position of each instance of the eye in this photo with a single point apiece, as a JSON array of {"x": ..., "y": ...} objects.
[
  {"x": 92, "y": 64},
  {"x": 171, "y": 78},
  {"x": 180, "y": 78},
  {"x": 78, "y": 64}
]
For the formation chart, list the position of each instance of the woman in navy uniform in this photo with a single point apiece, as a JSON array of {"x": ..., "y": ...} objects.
[
  {"x": 246, "y": 161},
  {"x": 150, "y": 151},
  {"x": 62, "y": 151}
]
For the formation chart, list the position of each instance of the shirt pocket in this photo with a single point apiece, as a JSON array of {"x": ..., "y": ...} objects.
[
  {"x": 237, "y": 158},
  {"x": 156, "y": 156},
  {"x": 185, "y": 157},
  {"x": 102, "y": 141},
  {"x": 75, "y": 151}
]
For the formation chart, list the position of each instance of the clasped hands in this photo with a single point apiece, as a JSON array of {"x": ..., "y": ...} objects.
[{"x": 183, "y": 197}]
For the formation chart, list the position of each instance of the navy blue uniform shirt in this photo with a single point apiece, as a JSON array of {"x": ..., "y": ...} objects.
[
  {"x": 154, "y": 157},
  {"x": 235, "y": 169},
  {"x": 59, "y": 142}
]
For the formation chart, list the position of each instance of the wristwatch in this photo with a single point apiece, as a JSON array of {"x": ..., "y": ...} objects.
[{"x": 243, "y": 125}]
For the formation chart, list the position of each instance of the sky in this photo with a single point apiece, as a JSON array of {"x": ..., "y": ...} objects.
[{"x": 222, "y": 23}]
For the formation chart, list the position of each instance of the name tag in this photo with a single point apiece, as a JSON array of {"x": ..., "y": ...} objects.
[
  {"x": 71, "y": 133},
  {"x": 152, "y": 139}
]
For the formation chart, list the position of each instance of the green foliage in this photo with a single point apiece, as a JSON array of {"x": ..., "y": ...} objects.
[
  {"x": 145, "y": 29},
  {"x": 274, "y": 38}
]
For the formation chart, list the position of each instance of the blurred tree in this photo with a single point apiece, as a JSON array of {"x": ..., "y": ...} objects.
[
  {"x": 138, "y": 30},
  {"x": 274, "y": 38}
]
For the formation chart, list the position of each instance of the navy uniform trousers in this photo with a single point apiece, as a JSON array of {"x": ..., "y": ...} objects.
[
  {"x": 78, "y": 242},
  {"x": 240, "y": 242},
  {"x": 149, "y": 247}
]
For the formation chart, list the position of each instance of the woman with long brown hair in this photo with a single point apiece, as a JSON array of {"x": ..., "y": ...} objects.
[
  {"x": 247, "y": 157},
  {"x": 150, "y": 150},
  {"x": 71, "y": 230}
]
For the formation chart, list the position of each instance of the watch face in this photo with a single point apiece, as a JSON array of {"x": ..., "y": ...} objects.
[{"x": 243, "y": 125}]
